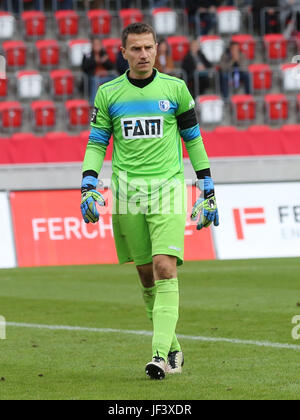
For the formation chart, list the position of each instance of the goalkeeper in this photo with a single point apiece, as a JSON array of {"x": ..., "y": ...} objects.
[{"x": 148, "y": 113}]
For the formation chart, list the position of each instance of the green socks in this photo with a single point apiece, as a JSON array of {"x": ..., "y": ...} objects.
[
  {"x": 165, "y": 317},
  {"x": 149, "y": 294}
]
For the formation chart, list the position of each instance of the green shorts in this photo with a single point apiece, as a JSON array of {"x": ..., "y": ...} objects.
[{"x": 156, "y": 229}]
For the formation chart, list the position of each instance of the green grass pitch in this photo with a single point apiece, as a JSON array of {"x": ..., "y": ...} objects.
[{"x": 246, "y": 300}]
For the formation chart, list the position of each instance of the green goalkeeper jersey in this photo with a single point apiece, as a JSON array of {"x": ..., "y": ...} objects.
[{"x": 147, "y": 125}]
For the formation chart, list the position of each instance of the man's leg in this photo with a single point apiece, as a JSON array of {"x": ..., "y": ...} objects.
[
  {"x": 149, "y": 290},
  {"x": 165, "y": 317},
  {"x": 166, "y": 305}
]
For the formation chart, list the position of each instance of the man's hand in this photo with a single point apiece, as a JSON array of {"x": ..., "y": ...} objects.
[
  {"x": 89, "y": 198},
  {"x": 205, "y": 210}
]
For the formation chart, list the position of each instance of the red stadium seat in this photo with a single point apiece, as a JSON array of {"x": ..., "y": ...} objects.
[
  {"x": 244, "y": 107},
  {"x": 247, "y": 44},
  {"x": 56, "y": 135},
  {"x": 7, "y": 25},
  {"x": 258, "y": 128},
  {"x": 276, "y": 107},
  {"x": 34, "y": 23},
  {"x": 23, "y": 136},
  {"x": 226, "y": 129},
  {"x": 48, "y": 52},
  {"x": 291, "y": 128},
  {"x": 261, "y": 76},
  {"x": 112, "y": 47},
  {"x": 179, "y": 47},
  {"x": 67, "y": 22},
  {"x": 44, "y": 113},
  {"x": 15, "y": 53},
  {"x": 11, "y": 114},
  {"x": 129, "y": 16},
  {"x": 62, "y": 82},
  {"x": 275, "y": 47},
  {"x": 78, "y": 112},
  {"x": 3, "y": 87},
  {"x": 100, "y": 22}
]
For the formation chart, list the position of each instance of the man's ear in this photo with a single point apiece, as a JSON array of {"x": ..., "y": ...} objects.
[{"x": 123, "y": 50}]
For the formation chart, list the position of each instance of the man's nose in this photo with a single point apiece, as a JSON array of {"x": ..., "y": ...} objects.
[{"x": 144, "y": 53}]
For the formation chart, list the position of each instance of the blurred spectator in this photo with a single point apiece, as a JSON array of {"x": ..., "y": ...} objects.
[
  {"x": 203, "y": 10},
  {"x": 269, "y": 18},
  {"x": 290, "y": 16},
  {"x": 158, "y": 3},
  {"x": 164, "y": 61},
  {"x": 122, "y": 64},
  {"x": 195, "y": 65},
  {"x": 97, "y": 4},
  {"x": 16, "y": 6},
  {"x": 97, "y": 65},
  {"x": 232, "y": 70},
  {"x": 62, "y": 5}
]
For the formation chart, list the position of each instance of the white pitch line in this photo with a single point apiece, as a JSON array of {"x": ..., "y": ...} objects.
[{"x": 149, "y": 333}]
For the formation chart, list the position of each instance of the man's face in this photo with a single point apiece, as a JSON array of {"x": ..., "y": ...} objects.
[
  {"x": 140, "y": 52},
  {"x": 97, "y": 45},
  {"x": 235, "y": 49}
]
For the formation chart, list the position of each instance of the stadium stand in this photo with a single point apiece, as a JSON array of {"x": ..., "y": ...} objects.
[
  {"x": 44, "y": 114},
  {"x": 15, "y": 53},
  {"x": 67, "y": 23},
  {"x": 34, "y": 24},
  {"x": 48, "y": 53},
  {"x": 11, "y": 114},
  {"x": 45, "y": 89},
  {"x": 7, "y": 25},
  {"x": 99, "y": 22},
  {"x": 243, "y": 108}
]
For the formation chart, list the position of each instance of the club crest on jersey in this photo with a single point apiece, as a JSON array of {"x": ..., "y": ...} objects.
[
  {"x": 164, "y": 106},
  {"x": 94, "y": 115},
  {"x": 142, "y": 127}
]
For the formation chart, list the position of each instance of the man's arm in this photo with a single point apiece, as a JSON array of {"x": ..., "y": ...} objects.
[
  {"x": 205, "y": 209},
  {"x": 190, "y": 132},
  {"x": 99, "y": 138},
  {"x": 101, "y": 130}
]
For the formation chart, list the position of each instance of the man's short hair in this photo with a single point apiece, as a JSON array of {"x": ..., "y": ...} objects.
[{"x": 137, "y": 28}]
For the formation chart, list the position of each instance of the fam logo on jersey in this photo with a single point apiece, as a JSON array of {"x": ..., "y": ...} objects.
[
  {"x": 142, "y": 128},
  {"x": 164, "y": 106}
]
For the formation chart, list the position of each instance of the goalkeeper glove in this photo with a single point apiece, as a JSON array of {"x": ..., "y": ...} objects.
[
  {"x": 89, "y": 197},
  {"x": 205, "y": 210}
]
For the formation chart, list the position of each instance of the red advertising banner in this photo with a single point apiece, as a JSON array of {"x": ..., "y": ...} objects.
[{"x": 49, "y": 230}]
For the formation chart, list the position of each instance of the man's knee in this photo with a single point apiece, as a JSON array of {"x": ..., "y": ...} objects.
[
  {"x": 164, "y": 267},
  {"x": 146, "y": 275}
]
